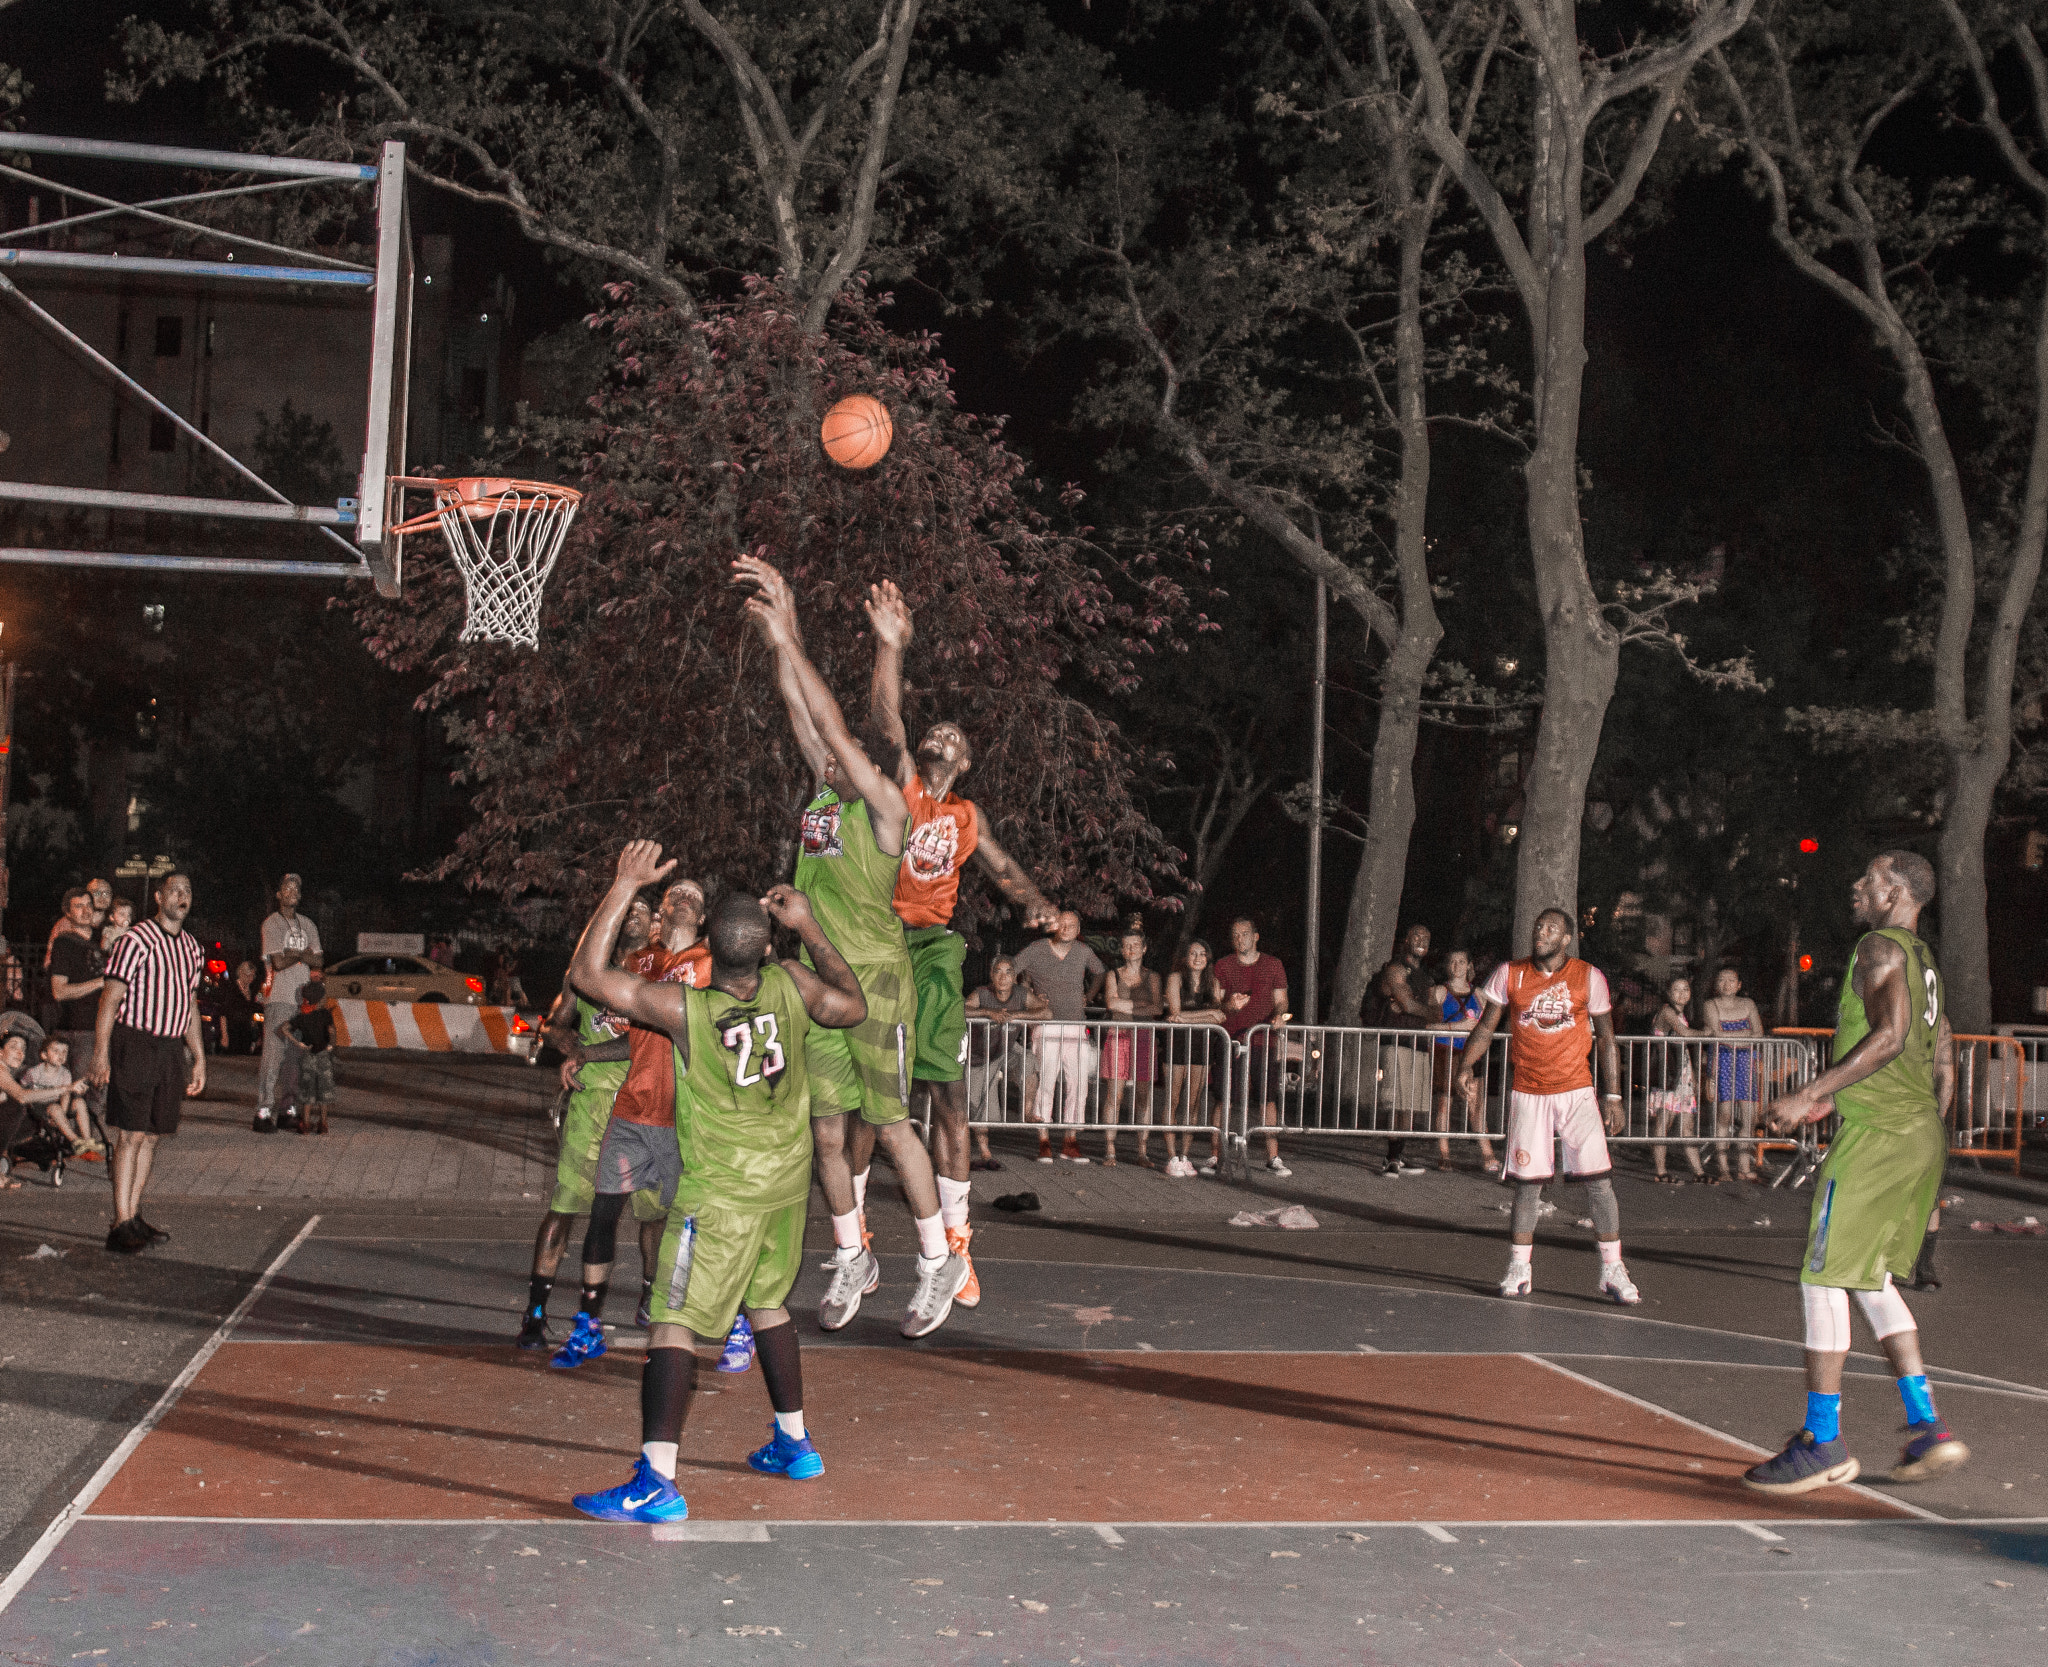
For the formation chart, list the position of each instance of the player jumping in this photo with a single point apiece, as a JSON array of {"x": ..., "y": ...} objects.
[
  {"x": 945, "y": 830},
  {"x": 735, "y": 1233},
  {"x": 1559, "y": 1006},
  {"x": 854, "y": 831},
  {"x": 1890, "y": 1083}
]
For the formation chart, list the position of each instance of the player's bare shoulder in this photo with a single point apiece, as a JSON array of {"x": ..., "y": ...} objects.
[{"x": 1878, "y": 958}]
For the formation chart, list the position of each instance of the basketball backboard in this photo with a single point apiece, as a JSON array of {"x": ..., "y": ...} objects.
[{"x": 98, "y": 245}]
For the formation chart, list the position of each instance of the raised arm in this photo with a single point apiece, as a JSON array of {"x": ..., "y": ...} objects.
[
  {"x": 1011, "y": 880},
  {"x": 832, "y": 995},
  {"x": 773, "y": 611},
  {"x": 657, "y": 1006},
  {"x": 889, "y": 615},
  {"x": 808, "y": 741}
]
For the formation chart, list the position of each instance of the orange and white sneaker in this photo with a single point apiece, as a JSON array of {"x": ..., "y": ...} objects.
[
  {"x": 957, "y": 1241},
  {"x": 867, "y": 1239}
]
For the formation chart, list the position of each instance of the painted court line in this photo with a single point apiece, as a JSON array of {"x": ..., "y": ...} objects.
[
  {"x": 1440, "y": 1534},
  {"x": 81, "y": 1502},
  {"x": 1109, "y": 1535},
  {"x": 1760, "y": 1532},
  {"x": 1708, "y": 1429},
  {"x": 714, "y": 1533},
  {"x": 747, "y": 1531}
]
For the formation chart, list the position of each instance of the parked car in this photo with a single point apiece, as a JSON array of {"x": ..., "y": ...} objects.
[{"x": 401, "y": 978}]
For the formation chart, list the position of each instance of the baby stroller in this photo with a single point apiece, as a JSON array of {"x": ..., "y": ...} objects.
[{"x": 36, "y": 1139}]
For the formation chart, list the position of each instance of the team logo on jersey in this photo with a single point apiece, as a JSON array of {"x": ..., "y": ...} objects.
[
  {"x": 1550, "y": 1009},
  {"x": 612, "y": 1025},
  {"x": 821, "y": 832},
  {"x": 934, "y": 848}
]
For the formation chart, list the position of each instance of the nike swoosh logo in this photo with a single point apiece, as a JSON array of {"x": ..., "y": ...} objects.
[{"x": 632, "y": 1504}]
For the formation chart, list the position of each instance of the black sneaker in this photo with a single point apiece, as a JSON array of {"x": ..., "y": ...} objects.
[
  {"x": 152, "y": 1235},
  {"x": 288, "y": 1118},
  {"x": 533, "y": 1334},
  {"x": 264, "y": 1123},
  {"x": 125, "y": 1238}
]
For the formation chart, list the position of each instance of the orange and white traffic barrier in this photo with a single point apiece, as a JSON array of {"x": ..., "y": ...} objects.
[{"x": 431, "y": 1027}]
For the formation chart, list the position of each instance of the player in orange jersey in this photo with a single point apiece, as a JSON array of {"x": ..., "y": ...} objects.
[
  {"x": 1557, "y": 1007},
  {"x": 945, "y": 831}
]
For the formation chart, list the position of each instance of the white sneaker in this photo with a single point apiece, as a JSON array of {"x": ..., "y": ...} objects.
[
  {"x": 1182, "y": 1168},
  {"x": 1615, "y": 1283},
  {"x": 932, "y": 1301},
  {"x": 1519, "y": 1280},
  {"x": 851, "y": 1280},
  {"x": 1208, "y": 1168},
  {"x": 1276, "y": 1167}
]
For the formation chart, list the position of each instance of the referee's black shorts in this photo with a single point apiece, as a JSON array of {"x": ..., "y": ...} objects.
[{"x": 146, "y": 1081}]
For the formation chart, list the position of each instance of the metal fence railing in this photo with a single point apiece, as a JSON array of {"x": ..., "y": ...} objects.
[
  {"x": 1059, "y": 1078},
  {"x": 1988, "y": 1111}
]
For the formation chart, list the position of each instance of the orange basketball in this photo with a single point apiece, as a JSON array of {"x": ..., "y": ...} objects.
[{"x": 857, "y": 432}]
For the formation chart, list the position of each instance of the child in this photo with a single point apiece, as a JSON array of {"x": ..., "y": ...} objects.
[
  {"x": 68, "y": 1113},
  {"x": 313, "y": 1031}
]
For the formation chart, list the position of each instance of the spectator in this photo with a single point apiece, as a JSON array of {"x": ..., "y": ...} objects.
[
  {"x": 442, "y": 953},
  {"x": 120, "y": 916},
  {"x": 1193, "y": 997},
  {"x": 1728, "y": 1012},
  {"x": 312, "y": 1032},
  {"x": 1674, "y": 1094},
  {"x": 240, "y": 1003},
  {"x": 149, "y": 1052},
  {"x": 75, "y": 987},
  {"x": 15, "y": 1099},
  {"x": 1457, "y": 1006},
  {"x": 1130, "y": 991},
  {"x": 291, "y": 949},
  {"x": 1255, "y": 993},
  {"x": 1394, "y": 1001},
  {"x": 1002, "y": 1058},
  {"x": 53, "y": 1070},
  {"x": 1067, "y": 975}
]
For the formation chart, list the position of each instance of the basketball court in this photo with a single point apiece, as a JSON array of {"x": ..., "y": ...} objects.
[{"x": 1101, "y": 1463}]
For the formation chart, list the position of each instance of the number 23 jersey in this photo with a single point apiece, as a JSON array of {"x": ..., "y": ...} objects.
[{"x": 743, "y": 1101}]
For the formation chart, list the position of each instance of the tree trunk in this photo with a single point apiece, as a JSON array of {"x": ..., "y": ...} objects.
[{"x": 1965, "y": 930}]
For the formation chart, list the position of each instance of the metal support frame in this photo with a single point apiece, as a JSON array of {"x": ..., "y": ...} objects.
[
  {"x": 73, "y": 260},
  {"x": 36, "y": 557},
  {"x": 240, "y": 509},
  {"x": 180, "y": 156}
]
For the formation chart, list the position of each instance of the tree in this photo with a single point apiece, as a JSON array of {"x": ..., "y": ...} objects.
[
  {"x": 1811, "y": 95},
  {"x": 650, "y": 709},
  {"x": 1576, "y": 118}
]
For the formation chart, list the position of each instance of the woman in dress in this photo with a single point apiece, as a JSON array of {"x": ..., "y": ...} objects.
[
  {"x": 1458, "y": 1006},
  {"x": 1674, "y": 1094},
  {"x": 1731, "y": 1013},
  {"x": 1131, "y": 991},
  {"x": 1193, "y": 997}
]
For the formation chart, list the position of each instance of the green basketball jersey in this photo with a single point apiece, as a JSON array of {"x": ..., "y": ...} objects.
[
  {"x": 743, "y": 1102},
  {"x": 1902, "y": 1093},
  {"x": 850, "y": 880},
  {"x": 594, "y": 1028}
]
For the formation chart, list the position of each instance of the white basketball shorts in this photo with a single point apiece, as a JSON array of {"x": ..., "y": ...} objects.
[{"x": 1537, "y": 1122}]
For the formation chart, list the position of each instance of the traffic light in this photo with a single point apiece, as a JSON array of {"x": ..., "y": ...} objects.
[
  {"x": 1808, "y": 846},
  {"x": 1806, "y": 963}
]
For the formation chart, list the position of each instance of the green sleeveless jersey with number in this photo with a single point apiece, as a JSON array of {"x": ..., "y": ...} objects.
[
  {"x": 850, "y": 880},
  {"x": 743, "y": 1101},
  {"x": 1902, "y": 1093},
  {"x": 594, "y": 1028}
]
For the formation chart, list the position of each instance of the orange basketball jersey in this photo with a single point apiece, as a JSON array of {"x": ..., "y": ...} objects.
[
  {"x": 1550, "y": 1022},
  {"x": 943, "y": 835}
]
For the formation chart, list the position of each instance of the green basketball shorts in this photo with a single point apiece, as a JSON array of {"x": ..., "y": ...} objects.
[
  {"x": 936, "y": 955},
  {"x": 583, "y": 1124},
  {"x": 867, "y": 1069},
  {"x": 714, "y": 1262},
  {"x": 1871, "y": 1202}
]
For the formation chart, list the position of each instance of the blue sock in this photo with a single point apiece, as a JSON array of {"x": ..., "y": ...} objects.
[
  {"x": 1823, "y": 1415},
  {"x": 1919, "y": 1399}
]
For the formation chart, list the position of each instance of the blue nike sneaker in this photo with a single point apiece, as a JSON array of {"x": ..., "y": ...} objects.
[
  {"x": 1804, "y": 1465},
  {"x": 586, "y": 1342},
  {"x": 798, "y": 1460},
  {"x": 645, "y": 1496},
  {"x": 1933, "y": 1451},
  {"x": 739, "y": 1347}
]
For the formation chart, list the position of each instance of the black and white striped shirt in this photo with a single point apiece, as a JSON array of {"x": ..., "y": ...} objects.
[{"x": 162, "y": 975}]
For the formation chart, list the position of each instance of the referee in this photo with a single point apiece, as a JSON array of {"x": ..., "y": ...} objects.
[{"x": 148, "y": 1021}]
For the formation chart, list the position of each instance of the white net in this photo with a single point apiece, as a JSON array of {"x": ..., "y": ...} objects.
[{"x": 506, "y": 535}]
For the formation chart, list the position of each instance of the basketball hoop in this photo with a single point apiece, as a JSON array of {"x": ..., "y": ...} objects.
[{"x": 505, "y": 535}]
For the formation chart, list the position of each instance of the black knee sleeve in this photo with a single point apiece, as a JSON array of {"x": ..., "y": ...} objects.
[
  {"x": 666, "y": 1382},
  {"x": 782, "y": 1366},
  {"x": 601, "y": 1237}
]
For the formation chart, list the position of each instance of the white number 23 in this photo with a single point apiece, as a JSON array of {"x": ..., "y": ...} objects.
[{"x": 739, "y": 1039}]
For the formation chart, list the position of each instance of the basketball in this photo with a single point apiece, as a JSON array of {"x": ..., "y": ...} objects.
[{"x": 857, "y": 432}]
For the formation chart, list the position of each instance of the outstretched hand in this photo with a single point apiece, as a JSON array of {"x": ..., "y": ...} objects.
[
  {"x": 787, "y": 906},
  {"x": 772, "y": 608},
  {"x": 889, "y": 614},
  {"x": 1040, "y": 915},
  {"x": 640, "y": 863}
]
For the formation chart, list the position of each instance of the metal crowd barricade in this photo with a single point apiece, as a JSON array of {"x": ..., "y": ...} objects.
[
  {"x": 1060, "y": 1078},
  {"x": 1987, "y": 1112}
]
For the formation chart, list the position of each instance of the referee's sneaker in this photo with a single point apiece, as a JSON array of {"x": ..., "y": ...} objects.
[{"x": 150, "y": 1056}]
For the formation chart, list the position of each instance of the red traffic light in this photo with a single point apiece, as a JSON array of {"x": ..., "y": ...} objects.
[
  {"x": 1806, "y": 963},
  {"x": 1809, "y": 846}
]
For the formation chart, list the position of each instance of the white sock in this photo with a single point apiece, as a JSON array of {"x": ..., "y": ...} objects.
[
  {"x": 931, "y": 1237},
  {"x": 860, "y": 1190},
  {"x": 952, "y": 1202},
  {"x": 662, "y": 1456},
  {"x": 846, "y": 1234},
  {"x": 1521, "y": 1255},
  {"x": 791, "y": 1424},
  {"x": 1610, "y": 1252}
]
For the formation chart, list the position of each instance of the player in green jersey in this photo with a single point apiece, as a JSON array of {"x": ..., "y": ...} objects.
[
  {"x": 735, "y": 1232},
  {"x": 1890, "y": 1083},
  {"x": 593, "y": 1047},
  {"x": 854, "y": 832}
]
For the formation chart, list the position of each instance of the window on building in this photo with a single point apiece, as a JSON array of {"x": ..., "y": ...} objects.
[
  {"x": 170, "y": 336},
  {"x": 163, "y": 433}
]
